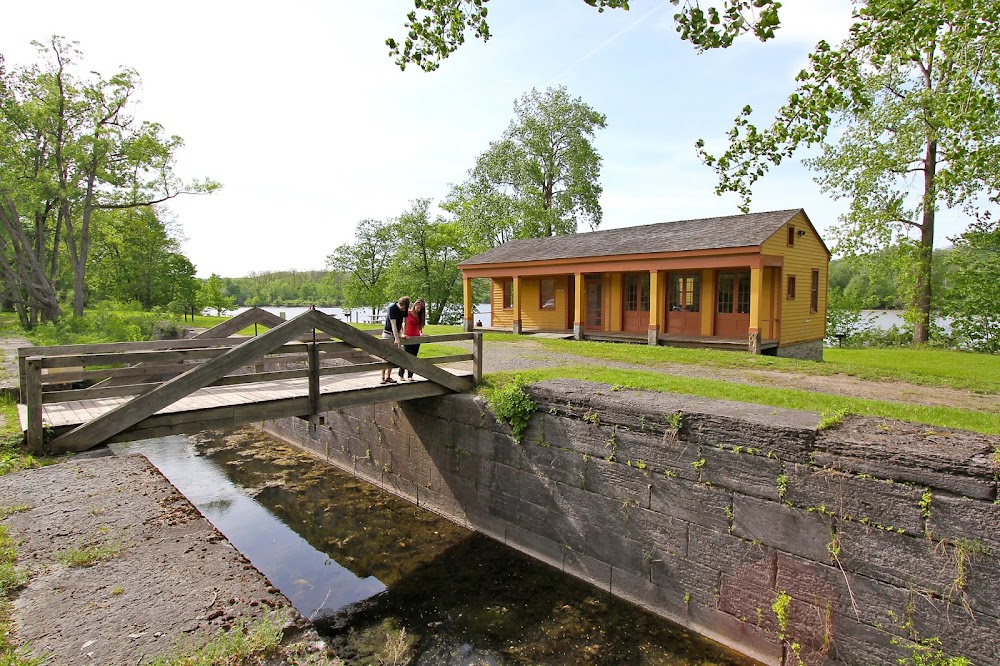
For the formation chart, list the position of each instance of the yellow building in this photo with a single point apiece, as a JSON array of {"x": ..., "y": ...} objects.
[{"x": 756, "y": 282}]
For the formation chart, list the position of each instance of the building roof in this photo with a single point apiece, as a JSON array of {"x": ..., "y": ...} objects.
[{"x": 704, "y": 234}]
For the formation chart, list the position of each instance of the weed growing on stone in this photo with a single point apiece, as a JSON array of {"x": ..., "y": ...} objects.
[
  {"x": 244, "y": 643},
  {"x": 675, "y": 423},
  {"x": 782, "y": 486},
  {"x": 512, "y": 405},
  {"x": 927, "y": 652},
  {"x": 828, "y": 420},
  {"x": 87, "y": 556}
]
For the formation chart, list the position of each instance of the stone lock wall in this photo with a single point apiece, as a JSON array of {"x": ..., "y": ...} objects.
[{"x": 745, "y": 523}]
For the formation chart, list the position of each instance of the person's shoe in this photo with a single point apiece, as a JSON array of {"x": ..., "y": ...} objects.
[
  {"x": 384, "y": 381},
  {"x": 390, "y": 380}
]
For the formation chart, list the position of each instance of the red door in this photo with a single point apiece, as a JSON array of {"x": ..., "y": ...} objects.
[
  {"x": 684, "y": 303},
  {"x": 595, "y": 298},
  {"x": 732, "y": 311},
  {"x": 635, "y": 303}
]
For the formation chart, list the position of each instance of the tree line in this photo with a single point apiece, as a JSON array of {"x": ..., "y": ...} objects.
[{"x": 80, "y": 181}]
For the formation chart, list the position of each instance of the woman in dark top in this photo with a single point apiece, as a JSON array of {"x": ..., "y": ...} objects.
[
  {"x": 414, "y": 328},
  {"x": 393, "y": 330}
]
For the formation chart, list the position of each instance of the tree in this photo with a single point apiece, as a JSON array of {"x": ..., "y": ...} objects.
[
  {"x": 213, "y": 295},
  {"x": 436, "y": 28},
  {"x": 973, "y": 301},
  {"x": 426, "y": 265},
  {"x": 367, "y": 263},
  {"x": 136, "y": 256},
  {"x": 540, "y": 179},
  {"x": 70, "y": 149},
  {"x": 912, "y": 96}
]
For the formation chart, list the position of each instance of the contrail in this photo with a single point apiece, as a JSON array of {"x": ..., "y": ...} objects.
[{"x": 607, "y": 41}]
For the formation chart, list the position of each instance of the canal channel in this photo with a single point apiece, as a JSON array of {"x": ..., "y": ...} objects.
[{"x": 374, "y": 572}]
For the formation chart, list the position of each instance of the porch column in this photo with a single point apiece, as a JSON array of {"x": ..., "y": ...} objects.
[
  {"x": 467, "y": 323},
  {"x": 579, "y": 306},
  {"x": 707, "y": 301},
  {"x": 756, "y": 301},
  {"x": 517, "y": 304},
  {"x": 653, "y": 335}
]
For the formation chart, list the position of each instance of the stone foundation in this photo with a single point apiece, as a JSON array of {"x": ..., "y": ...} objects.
[
  {"x": 807, "y": 351},
  {"x": 745, "y": 523}
]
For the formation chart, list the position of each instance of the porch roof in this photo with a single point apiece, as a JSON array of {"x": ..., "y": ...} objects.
[{"x": 708, "y": 233}]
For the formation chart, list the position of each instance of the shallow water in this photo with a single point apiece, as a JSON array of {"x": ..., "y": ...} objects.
[{"x": 378, "y": 575}]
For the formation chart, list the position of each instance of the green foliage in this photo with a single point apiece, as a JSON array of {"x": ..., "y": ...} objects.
[
  {"x": 927, "y": 652},
  {"x": 780, "y": 609},
  {"x": 437, "y": 28},
  {"x": 540, "y": 179},
  {"x": 426, "y": 263},
  {"x": 74, "y": 161},
  {"x": 973, "y": 302},
  {"x": 136, "y": 257},
  {"x": 108, "y": 322},
  {"x": 86, "y": 556},
  {"x": 213, "y": 295},
  {"x": 367, "y": 263},
  {"x": 904, "y": 96},
  {"x": 244, "y": 643},
  {"x": 828, "y": 420},
  {"x": 513, "y": 405},
  {"x": 291, "y": 288}
]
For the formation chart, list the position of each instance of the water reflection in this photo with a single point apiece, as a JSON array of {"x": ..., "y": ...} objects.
[
  {"x": 311, "y": 580},
  {"x": 373, "y": 570}
]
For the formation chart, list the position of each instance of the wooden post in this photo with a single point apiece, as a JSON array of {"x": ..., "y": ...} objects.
[
  {"x": 756, "y": 305},
  {"x": 477, "y": 358},
  {"x": 655, "y": 308},
  {"x": 707, "y": 301},
  {"x": 22, "y": 373},
  {"x": 313, "y": 378},
  {"x": 517, "y": 305},
  {"x": 467, "y": 323},
  {"x": 33, "y": 401},
  {"x": 579, "y": 306}
]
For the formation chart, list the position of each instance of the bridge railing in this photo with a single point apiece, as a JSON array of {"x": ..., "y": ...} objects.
[{"x": 47, "y": 374}]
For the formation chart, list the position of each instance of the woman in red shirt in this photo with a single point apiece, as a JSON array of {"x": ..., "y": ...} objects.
[{"x": 413, "y": 327}]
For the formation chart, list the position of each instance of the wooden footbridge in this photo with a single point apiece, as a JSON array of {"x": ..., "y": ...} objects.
[{"x": 301, "y": 367}]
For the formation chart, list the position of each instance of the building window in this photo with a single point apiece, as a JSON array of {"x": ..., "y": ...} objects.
[
  {"x": 743, "y": 292},
  {"x": 791, "y": 287},
  {"x": 791, "y": 235},
  {"x": 508, "y": 293},
  {"x": 547, "y": 294},
  {"x": 636, "y": 292},
  {"x": 814, "y": 293}
]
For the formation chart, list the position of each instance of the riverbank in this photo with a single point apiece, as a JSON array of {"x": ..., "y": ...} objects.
[{"x": 123, "y": 569}]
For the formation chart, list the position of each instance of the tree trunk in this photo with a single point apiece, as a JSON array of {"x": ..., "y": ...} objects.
[
  {"x": 25, "y": 275},
  {"x": 925, "y": 254}
]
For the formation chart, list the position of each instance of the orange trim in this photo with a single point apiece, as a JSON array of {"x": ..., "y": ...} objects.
[
  {"x": 742, "y": 260},
  {"x": 630, "y": 258}
]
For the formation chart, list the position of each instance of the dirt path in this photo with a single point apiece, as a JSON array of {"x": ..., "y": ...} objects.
[
  {"x": 526, "y": 355},
  {"x": 170, "y": 575}
]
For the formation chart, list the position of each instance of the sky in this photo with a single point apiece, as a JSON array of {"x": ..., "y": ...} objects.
[{"x": 298, "y": 111}]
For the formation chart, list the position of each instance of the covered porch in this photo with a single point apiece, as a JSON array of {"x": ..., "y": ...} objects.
[{"x": 732, "y": 303}]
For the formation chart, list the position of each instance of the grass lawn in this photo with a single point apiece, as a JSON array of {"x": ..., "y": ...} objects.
[
  {"x": 923, "y": 366},
  {"x": 827, "y": 405}
]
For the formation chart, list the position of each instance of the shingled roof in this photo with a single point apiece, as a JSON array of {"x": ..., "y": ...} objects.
[{"x": 705, "y": 234}]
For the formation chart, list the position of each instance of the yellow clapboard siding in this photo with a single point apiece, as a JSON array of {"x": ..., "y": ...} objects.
[{"x": 807, "y": 253}]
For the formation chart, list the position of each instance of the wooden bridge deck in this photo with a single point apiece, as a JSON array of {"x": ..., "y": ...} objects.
[
  {"x": 230, "y": 406},
  {"x": 136, "y": 390}
]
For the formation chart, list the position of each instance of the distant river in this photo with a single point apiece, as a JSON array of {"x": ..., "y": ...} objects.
[{"x": 357, "y": 314}]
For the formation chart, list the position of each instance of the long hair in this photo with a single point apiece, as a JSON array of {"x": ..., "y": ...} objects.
[{"x": 423, "y": 311}]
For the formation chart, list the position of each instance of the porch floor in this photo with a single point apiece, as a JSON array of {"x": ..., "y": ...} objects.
[{"x": 665, "y": 339}]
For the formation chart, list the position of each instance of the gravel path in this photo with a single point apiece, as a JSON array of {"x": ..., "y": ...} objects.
[{"x": 169, "y": 575}]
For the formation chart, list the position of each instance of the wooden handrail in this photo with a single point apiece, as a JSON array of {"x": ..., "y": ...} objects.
[{"x": 170, "y": 360}]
